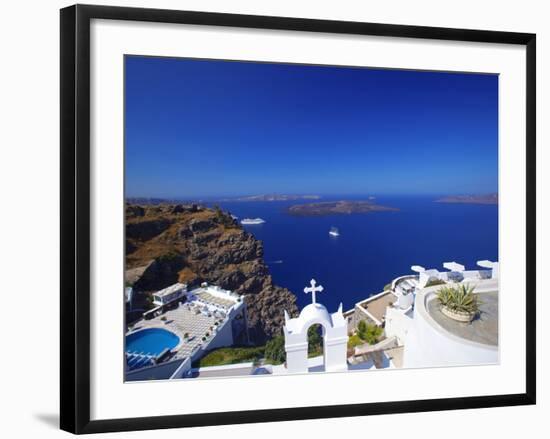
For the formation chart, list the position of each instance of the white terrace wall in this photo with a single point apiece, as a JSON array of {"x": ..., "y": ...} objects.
[
  {"x": 398, "y": 323},
  {"x": 427, "y": 345},
  {"x": 223, "y": 335}
]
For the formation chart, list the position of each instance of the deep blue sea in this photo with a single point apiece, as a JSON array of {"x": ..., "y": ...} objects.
[{"x": 372, "y": 248}]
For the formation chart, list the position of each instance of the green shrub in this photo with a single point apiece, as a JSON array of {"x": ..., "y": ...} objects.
[
  {"x": 369, "y": 332},
  {"x": 459, "y": 299},
  {"x": 354, "y": 340},
  {"x": 231, "y": 355},
  {"x": 275, "y": 350}
]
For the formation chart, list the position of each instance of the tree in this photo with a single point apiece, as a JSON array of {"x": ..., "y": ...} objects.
[{"x": 275, "y": 350}]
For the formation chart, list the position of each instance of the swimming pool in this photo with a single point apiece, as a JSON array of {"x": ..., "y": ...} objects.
[{"x": 151, "y": 341}]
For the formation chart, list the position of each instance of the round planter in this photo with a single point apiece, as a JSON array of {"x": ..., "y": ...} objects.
[{"x": 459, "y": 316}]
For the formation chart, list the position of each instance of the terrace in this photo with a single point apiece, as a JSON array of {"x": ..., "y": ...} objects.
[
  {"x": 432, "y": 339},
  {"x": 483, "y": 329},
  {"x": 375, "y": 306},
  {"x": 210, "y": 299}
]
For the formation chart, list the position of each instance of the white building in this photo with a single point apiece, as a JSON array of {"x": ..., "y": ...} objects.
[
  {"x": 169, "y": 294},
  {"x": 417, "y": 333},
  {"x": 432, "y": 339},
  {"x": 209, "y": 318}
]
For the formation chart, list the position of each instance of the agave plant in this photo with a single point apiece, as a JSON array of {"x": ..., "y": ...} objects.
[{"x": 459, "y": 299}]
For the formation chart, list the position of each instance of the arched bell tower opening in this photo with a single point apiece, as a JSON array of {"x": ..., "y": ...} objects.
[
  {"x": 316, "y": 346},
  {"x": 333, "y": 332}
]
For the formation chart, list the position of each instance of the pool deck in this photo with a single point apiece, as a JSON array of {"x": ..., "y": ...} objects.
[{"x": 180, "y": 321}]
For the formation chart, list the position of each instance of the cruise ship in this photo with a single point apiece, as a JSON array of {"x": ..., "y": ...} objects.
[{"x": 251, "y": 221}]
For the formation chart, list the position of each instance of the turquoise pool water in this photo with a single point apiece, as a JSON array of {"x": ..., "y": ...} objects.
[{"x": 151, "y": 341}]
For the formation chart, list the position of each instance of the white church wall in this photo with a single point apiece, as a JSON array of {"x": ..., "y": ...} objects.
[
  {"x": 296, "y": 361},
  {"x": 336, "y": 354}
]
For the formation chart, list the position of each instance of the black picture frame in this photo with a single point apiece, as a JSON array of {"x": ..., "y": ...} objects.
[{"x": 75, "y": 217}]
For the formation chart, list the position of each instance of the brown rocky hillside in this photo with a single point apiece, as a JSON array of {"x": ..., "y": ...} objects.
[{"x": 168, "y": 243}]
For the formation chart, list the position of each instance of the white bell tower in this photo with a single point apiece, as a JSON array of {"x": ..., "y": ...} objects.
[{"x": 335, "y": 335}]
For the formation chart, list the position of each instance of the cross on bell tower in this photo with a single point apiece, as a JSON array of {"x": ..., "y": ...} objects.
[{"x": 313, "y": 289}]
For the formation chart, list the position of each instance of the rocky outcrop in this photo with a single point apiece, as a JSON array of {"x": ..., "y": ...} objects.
[
  {"x": 192, "y": 244},
  {"x": 163, "y": 271},
  {"x": 145, "y": 230}
]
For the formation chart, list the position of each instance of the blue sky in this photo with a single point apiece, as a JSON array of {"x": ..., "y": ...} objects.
[{"x": 199, "y": 128}]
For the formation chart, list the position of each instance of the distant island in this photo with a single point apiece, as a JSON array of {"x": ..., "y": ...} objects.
[
  {"x": 470, "y": 199},
  {"x": 342, "y": 207},
  {"x": 274, "y": 197},
  {"x": 149, "y": 201}
]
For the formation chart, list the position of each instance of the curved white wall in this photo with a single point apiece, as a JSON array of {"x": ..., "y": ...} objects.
[{"x": 429, "y": 345}]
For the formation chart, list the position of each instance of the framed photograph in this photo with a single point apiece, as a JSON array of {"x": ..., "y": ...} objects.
[{"x": 268, "y": 218}]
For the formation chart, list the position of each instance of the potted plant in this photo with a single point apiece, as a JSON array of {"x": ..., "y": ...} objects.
[{"x": 459, "y": 303}]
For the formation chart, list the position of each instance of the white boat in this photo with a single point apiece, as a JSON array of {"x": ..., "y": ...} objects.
[
  {"x": 334, "y": 232},
  {"x": 252, "y": 221}
]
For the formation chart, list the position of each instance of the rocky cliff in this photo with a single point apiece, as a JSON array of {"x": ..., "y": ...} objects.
[{"x": 171, "y": 243}]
